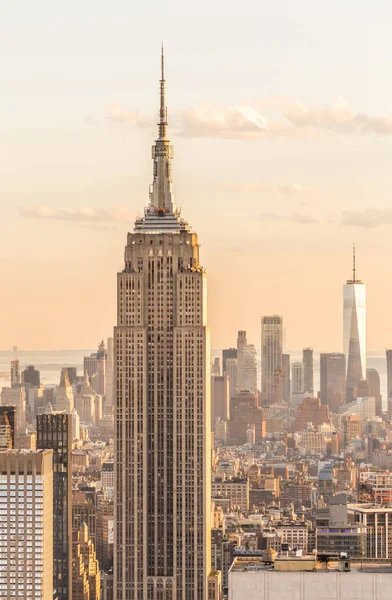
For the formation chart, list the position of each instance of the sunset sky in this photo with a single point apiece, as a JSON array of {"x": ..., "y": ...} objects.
[{"x": 281, "y": 121}]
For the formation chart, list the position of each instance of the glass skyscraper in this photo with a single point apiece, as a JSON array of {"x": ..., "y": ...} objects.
[{"x": 354, "y": 332}]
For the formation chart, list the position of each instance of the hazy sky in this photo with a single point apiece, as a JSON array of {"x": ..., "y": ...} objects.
[{"x": 281, "y": 118}]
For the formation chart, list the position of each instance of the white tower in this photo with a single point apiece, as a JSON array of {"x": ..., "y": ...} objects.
[{"x": 354, "y": 332}]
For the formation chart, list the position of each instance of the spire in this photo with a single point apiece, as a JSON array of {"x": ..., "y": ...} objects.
[
  {"x": 163, "y": 110},
  {"x": 161, "y": 192}
]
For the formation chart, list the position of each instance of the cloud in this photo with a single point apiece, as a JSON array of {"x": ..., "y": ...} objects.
[
  {"x": 298, "y": 218},
  {"x": 290, "y": 189},
  {"x": 367, "y": 217},
  {"x": 214, "y": 121},
  {"x": 86, "y": 215},
  {"x": 118, "y": 114},
  {"x": 264, "y": 118}
]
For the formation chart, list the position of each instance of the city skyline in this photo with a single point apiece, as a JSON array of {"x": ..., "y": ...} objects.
[{"x": 302, "y": 196}]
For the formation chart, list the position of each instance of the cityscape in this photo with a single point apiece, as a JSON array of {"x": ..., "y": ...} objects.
[{"x": 156, "y": 466}]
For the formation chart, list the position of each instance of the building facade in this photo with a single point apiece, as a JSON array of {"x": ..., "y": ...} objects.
[
  {"x": 333, "y": 379},
  {"x": 162, "y": 425},
  {"x": 307, "y": 361},
  {"x": 271, "y": 354},
  {"x": 26, "y": 525},
  {"x": 54, "y": 432}
]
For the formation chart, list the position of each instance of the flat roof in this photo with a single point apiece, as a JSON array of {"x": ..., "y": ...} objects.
[{"x": 252, "y": 564}]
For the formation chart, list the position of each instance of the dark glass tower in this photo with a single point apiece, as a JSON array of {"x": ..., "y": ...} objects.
[{"x": 54, "y": 432}]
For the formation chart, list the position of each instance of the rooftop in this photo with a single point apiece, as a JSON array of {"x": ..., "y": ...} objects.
[{"x": 308, "y": 563}]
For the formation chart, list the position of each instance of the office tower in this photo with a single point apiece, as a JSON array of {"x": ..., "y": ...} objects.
[
  {"x": 286, "y": 378},
  {"x": 271, "y": 354},
  {"x": 228, "y": 353},
  {"x": 373, "y": 379},
  {"x": 389, "y": 384},
  {"x": 162, "y": 425},
  {"x": 7, "y": 427},
  {"x": 54, "y": 432},
  {"x": 248, "y": 371},
  {"x": 104, "y": 534},
  {"x": 307, "y": 361},
  {"x": 15, "y": 373},
  {"x": 16, "y": 397},
  {"x": 85, "y": 401},
  {"x": 354, "y": 332},
  {"x": 231, "y": 371},
  {"x": 220, "y": 400},
  {"x": 86, "y": 574},
  {"x": 107, "y": 477},
  {"x": 242, "y": 342},
  {"x": 31, "y": 376},
  {"x": 64, "y": 394},
  {"x": 333, "y": 380},
  {"x": 110, "y": 372},
  {"x": 296, "y": 378},
  {"x": 26, "y": 525},
  {"x": 75, "y": 419},
  {"x": 72, "y": 374},
  {"x": 96, "y": 367},
  {"x": 216, "y": 367}
]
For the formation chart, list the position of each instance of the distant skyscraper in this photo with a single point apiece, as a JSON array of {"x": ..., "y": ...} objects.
[
  {"x": 162, "y": 431},
  {"x": 31, "y": 377},
  {"x": 228, "y": 353},
  {"x": 271, "y": 354},
  {"x": 110, "y": 372},
  {"x": 354, "y": 332},
  {"x": 296, "y": 377},
  {"x": 231, "y": 370},
  {"x": 220, "y": 401},
  {"x": 249, "y": 369},
  {"x": 373, "y": 378},
  {"x": 333, "y": 380},
  {"x": 64, "y": 394},
  {"x": 15, "y": 373},
  {"x": 216, "y": 367},
  {"x": 286, "y": 378},
  {"x": 26, "y": 525},
  {"x": 54, "y": 432},
  {"x": 16, "y": 396},
  {"x": 96, "y": 367},
  {"x": 7, "y": 427},
  {"x": 307, "y": 360},
  {"x": 389, "y": 383}
]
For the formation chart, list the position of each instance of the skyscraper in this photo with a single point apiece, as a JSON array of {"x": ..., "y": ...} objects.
[
  {"x": 286, "y": 378},
  {"x": 162, "y": 426},
  {"x": 354, "y": 332},
  {"x": 307, "y": 361},
  {"x": 26, "y": 534},
  {"x": 54, "y": 432},
  {"x": 296, "y": 377},
  {"x": 389, "y": 383},
  {"x": 228, "y": 353},
  {"x": 15, "y": 373},
  {"x": 64, "y": 394},
  {"x": 31, "y": 376},
  {"x": 333, "y": 379},
  {"x": 373, "y": 379},
  {"x": 7, "y": 427},
  {"x": 271, "y": 354}
]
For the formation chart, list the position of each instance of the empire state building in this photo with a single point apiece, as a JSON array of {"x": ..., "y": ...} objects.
[{"x": 162, "y": 431}]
